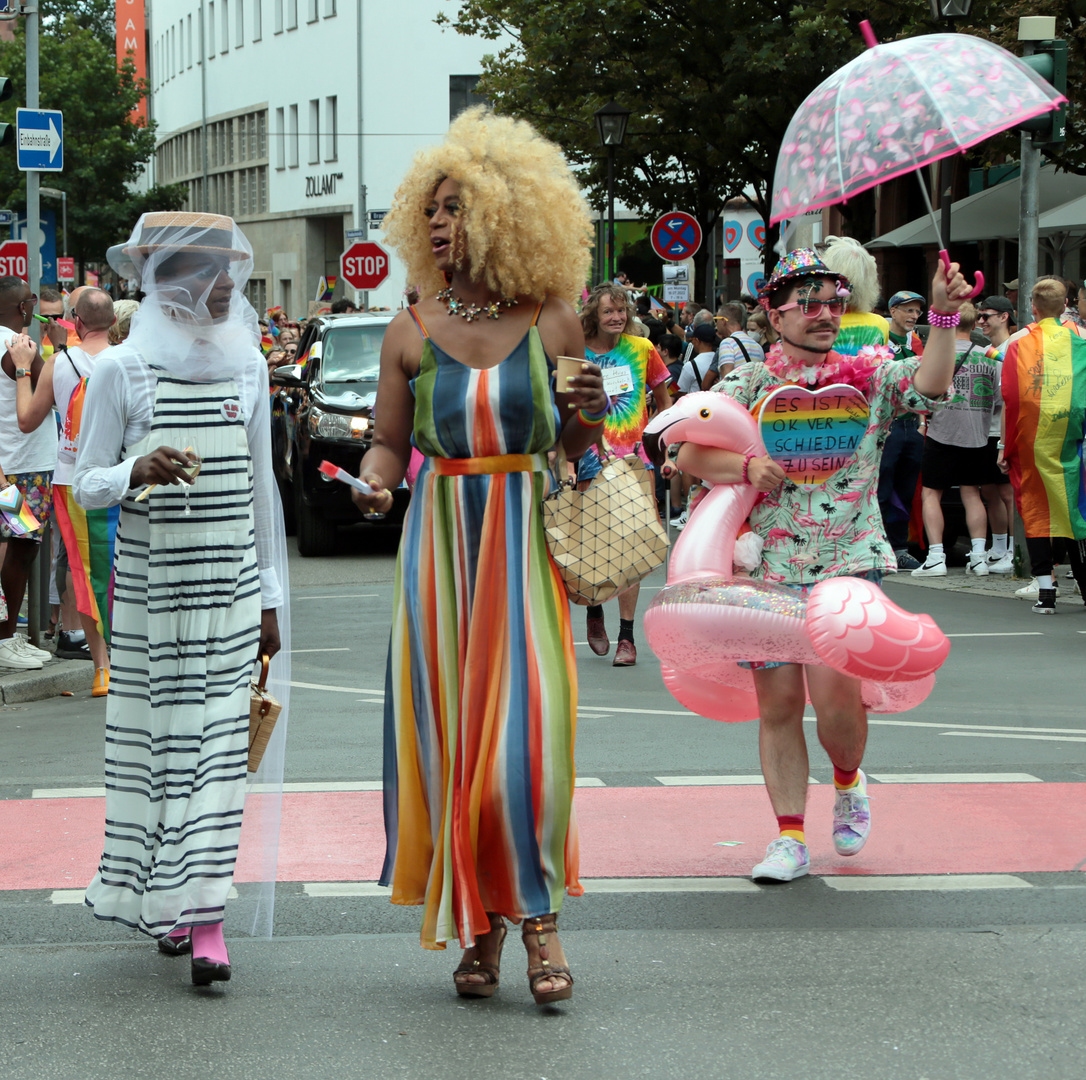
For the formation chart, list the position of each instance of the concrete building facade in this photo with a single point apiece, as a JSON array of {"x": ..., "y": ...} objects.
[{"x": 298, "y": 118}]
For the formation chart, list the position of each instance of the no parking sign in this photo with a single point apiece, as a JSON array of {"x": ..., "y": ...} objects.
[{"x": 676, "y": 236}]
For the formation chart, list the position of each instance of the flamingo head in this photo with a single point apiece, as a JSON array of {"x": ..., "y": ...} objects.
[{"x": 705, "y": 418}]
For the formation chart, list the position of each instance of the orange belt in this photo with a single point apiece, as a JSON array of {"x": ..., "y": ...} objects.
[{"x": 499, "y": 463}]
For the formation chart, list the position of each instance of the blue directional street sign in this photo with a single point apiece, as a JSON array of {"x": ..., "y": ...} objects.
[
  {"x": 6, "y": 216},
  {"x": 40, "y": 139}
]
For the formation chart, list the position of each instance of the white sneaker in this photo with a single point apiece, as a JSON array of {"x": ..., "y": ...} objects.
[
  {"x": 977, "y": 564},
  {"x": 12, "y": 656},
  {"x": 934, "y": 566},
  {"x": 1000, "y": 564},
  {"x": 680, "y": 521},
  {"x": 851, "y": 817},
  {"x": 32, "y": 650},
  {"x": 1031, "y": 591},
  {"x": 785, "y": 860}
]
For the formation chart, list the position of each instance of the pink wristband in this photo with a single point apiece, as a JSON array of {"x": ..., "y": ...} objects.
[
  {"x": 944, "y": 320},
  {"x": 746, "y": 467}
]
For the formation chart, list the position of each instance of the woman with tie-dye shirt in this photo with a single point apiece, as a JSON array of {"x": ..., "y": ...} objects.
[{"x": 631, "y": 367}]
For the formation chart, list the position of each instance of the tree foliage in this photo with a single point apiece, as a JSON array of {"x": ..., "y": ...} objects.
[
  {"x": 104, "y": 152},
  {"x": 711, "y": 84}
]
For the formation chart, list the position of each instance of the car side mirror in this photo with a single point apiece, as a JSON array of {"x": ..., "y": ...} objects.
[{"x": 288, "y": 375}]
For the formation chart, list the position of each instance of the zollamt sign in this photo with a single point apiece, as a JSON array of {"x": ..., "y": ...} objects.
[{"x": 316, "y": 186}]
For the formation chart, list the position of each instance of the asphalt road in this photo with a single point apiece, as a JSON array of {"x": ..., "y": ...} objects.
[{"x": 946, "y": 971}]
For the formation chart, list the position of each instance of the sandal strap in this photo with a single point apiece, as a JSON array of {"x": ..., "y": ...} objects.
[{"x": 551, "y": 971}]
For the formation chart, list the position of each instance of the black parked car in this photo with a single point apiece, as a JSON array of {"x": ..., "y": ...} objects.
[{"x": 322, "y": 410}]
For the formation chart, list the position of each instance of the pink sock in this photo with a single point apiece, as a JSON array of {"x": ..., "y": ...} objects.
[{"x": 208, "y": 944}]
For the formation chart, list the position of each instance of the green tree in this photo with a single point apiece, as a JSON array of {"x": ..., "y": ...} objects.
[
  {"x": 711, "y": 84},
  {"x": 104, "y": 151}
]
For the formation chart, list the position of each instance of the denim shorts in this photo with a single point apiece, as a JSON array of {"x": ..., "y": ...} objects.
[{"x": 874, "y": 576}]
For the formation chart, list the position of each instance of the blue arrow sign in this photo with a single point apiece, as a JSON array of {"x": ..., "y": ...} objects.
[{"x": 40, "y": 139}]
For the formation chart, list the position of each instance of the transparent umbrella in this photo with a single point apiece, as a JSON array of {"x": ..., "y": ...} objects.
[{"x": 897, "y": 107}]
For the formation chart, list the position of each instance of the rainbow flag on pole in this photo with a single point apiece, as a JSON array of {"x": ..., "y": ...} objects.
[{"x": 1044, "y": 401}]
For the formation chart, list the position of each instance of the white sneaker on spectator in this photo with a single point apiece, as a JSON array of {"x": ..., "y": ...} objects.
[
  {"x": 934, "y": 566},
  {"x": 680, "y": 521},
  {"x": 1031, "y": 591},
  {"x": 32, "y": 650},
  {"x": 11, "y": 656},
  {"x": 977, "y": 564},
  {"x": 1000, "y": 564}
]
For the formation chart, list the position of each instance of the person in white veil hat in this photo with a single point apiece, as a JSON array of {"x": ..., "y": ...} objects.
[{"x": 201, "y": 589}]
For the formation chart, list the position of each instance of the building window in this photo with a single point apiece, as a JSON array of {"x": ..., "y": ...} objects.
[
  {"x": 462, "y": 94},
  {"x": 331, "y": 129},
  {"x": 292, "y": 137},
  {"x": 292, "y": 14},
  {"x": 278, "y": 16},
  {"x": 256, "y": 292},
  {"x": 190, "y": 41},
  {"x": 314, "y": 132},
  {"x": 211, "y": 30},
  {"x": 280, "y": 139},
  {"x": 239, "y": 29},
  {"x": 329, "y": 8},
  {"x": 311, "y": 12},
  {"x": 258, "y": 19},
  {"x": 226, "y": 24}
]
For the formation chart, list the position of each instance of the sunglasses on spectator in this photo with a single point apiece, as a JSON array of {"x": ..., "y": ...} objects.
[{"x": 813, "y": 308}]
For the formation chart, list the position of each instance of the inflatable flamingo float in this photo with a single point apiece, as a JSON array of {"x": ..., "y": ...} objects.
[{"x": 706, "y": 619}]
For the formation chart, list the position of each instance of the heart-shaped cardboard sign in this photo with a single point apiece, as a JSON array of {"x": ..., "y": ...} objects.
[
  {"x": 733, "y": 233},
  {"x": 756, "y": 234},
  {"x": 813, "y": 433}
]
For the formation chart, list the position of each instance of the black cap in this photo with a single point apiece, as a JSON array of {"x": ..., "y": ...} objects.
[
  {"x": 705, "y": 332},
  {"x": 1000, "y": 304}
]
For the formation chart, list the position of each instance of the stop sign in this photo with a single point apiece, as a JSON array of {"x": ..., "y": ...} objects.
[
  {"x": 14, "y": 259},
  {"x": 364, "y": 265}
]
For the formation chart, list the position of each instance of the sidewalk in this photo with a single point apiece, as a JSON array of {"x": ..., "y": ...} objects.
[
  {"x": 1004, "y": 585},
  {"x": 53, "y": 678}
]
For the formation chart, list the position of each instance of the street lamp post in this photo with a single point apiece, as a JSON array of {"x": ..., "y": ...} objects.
[
  {"x": 611, "y": 122},
  {"x": 56, "y": 193}
]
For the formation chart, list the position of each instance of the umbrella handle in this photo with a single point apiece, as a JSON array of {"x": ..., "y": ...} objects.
[{"x": 978, "y": 288}]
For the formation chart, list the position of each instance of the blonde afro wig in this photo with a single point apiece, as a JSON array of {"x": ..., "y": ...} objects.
[
  {"x": 847, "y": 256},
  {"x": 527, "y": 226}
]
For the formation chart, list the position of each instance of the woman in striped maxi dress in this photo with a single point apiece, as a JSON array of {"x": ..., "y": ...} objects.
[
  {"x": 200, "y": 579},
  {"x": 482, "y": 686}
]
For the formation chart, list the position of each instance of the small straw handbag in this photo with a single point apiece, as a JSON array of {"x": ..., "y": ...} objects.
[
  {"x": 264, "y": 710},
  {"x": 609, "y": 537}
]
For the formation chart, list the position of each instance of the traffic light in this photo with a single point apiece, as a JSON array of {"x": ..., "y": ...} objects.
[
  {"x": 7, "y": 131},
  {"x": 1050, "y": 62}
]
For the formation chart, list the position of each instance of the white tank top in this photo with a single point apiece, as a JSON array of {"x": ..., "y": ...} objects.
[{"x": 19, "y": 453}]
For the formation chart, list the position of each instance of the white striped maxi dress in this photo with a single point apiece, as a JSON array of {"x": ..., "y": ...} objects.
[{"x": 186, "y": 629}]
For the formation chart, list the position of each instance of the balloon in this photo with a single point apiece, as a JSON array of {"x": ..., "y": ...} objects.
[{"x": 705, "y": 619}]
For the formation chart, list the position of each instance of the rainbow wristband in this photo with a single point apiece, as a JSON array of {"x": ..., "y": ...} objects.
[{"x": 588, "y": 420}]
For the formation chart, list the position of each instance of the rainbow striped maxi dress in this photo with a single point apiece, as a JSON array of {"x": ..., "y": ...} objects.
[
  {"x": 481, "y": 689},
  {"x": 1044, "y": 395}
]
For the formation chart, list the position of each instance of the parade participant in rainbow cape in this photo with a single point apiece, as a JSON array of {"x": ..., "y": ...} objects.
[
  {"x": 826, "y": 526},
  {"x": 1044, "y": 410}
]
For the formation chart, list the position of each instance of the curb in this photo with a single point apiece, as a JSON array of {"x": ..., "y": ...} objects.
[{"x": 55, "y": 677}]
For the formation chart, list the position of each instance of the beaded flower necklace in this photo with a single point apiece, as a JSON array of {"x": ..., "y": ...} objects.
[
  {"x": 471, "y": 312},
  {"x": 852, "y": 370}
]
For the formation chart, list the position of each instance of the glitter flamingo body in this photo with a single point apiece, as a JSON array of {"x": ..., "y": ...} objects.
[{"x": 705, "y": 619}]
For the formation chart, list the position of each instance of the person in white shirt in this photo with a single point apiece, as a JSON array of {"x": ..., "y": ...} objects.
[{"x": 176, "y": 429}]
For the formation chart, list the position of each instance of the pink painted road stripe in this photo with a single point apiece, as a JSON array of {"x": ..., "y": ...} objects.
[{"x": 627, "y": 832}]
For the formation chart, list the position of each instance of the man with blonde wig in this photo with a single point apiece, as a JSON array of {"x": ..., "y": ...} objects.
[
  {"x": 1044, "y": 410},
  {"x": 860, "y": 326}
]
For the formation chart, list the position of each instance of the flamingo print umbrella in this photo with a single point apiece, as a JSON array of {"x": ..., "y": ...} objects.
[{"x": 897, "y": 107}]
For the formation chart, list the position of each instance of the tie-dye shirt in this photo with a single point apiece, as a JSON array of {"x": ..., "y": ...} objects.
[
  {"x": 860, "y": 328},
  {"x": 630, "y": 409}
]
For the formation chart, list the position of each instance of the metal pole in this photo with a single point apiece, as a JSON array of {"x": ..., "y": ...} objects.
[
  {"x": 64, "y": 214},
  {"x": 363, "y": 208},
  {"x": 206, "y": 200},
  {"x": 946, "y": 184},
  {"x": 1027, "y": 228},
  {"x": 610, "y": 213}
]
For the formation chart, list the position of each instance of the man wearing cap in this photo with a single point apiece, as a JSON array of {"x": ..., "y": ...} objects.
[
  {"x": 996, "y": 318},
  {"x": 736, "y": 347},
  {"x": 899, "y": 472},
  {"x": 175, "y": 428},
  {"x": 1010, "y": 291},
  {"x": 815, "y": 532}
]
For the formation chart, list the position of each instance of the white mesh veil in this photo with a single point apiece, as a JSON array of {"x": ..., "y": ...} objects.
[
  {"x": 196, "y": 324},
  {"x": 195, "y": 320}
]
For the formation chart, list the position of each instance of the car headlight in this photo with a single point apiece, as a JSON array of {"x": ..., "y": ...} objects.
[{"x": 330, "y": 425}]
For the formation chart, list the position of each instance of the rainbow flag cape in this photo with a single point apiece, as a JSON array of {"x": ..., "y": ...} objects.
[
  {"x": 1044, "y": 401},
  {"x": 89, "y": 538}
]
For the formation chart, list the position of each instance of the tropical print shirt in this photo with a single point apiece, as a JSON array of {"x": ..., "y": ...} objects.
[{"x": 834, "y": 529}]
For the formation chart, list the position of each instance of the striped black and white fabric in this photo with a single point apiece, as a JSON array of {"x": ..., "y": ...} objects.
[{"x": 186, "y": 628}]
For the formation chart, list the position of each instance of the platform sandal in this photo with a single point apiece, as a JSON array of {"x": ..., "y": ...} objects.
[
  {"x": 466, "y": 986},
  {"x": 541, "y": 927}
]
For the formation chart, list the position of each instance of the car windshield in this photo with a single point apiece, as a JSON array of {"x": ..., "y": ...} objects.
[{"x": 352, "y": 354}]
